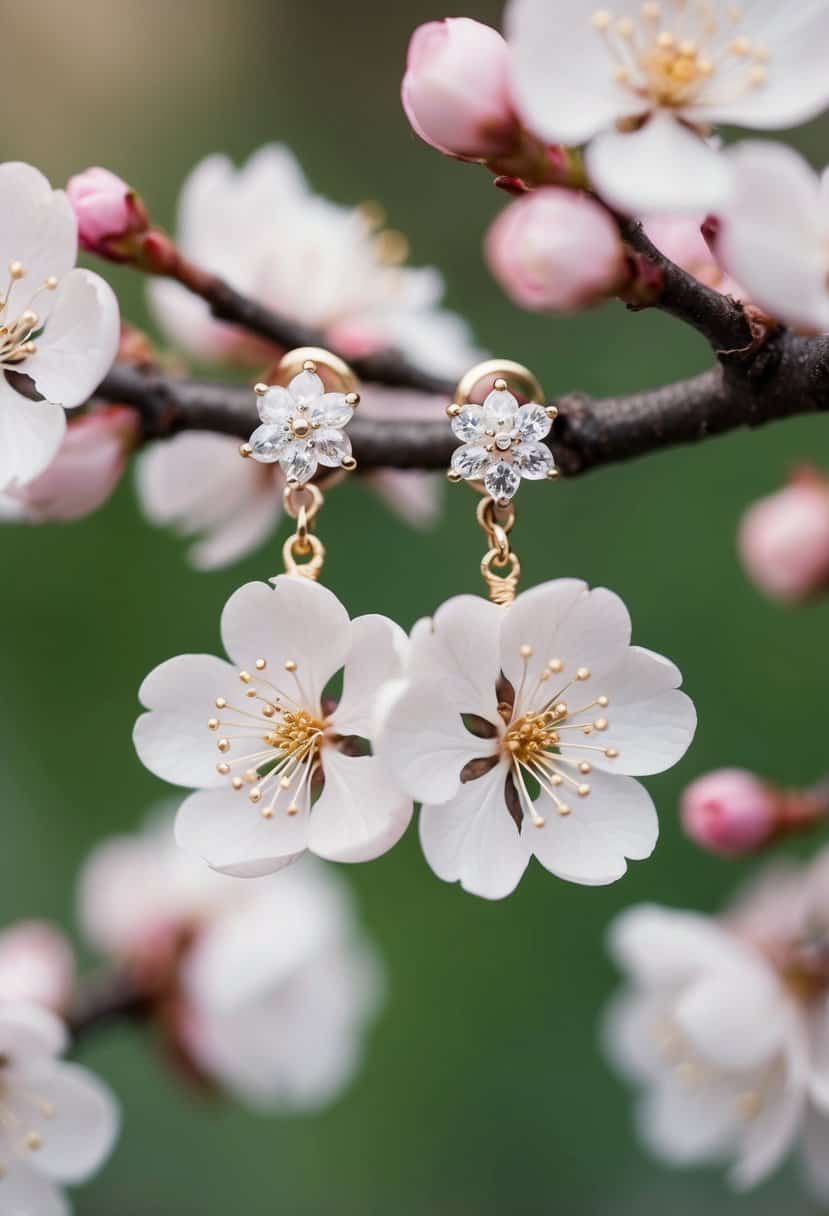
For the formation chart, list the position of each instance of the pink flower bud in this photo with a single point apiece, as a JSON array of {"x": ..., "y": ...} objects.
[
  {"x": 86, "y": 470},
  {"x": 456, "y": 89},
  {"x": 729, "y": 811},
  {"x": 555, "y": 250},
  {"x": 783, "y": 540},
  {"x": 36, "y": 966},
  {"x": 108, "y": 212}
]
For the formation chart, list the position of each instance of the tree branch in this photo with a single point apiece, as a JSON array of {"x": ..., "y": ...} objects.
[
  {"x": 786, "y": 375},
  {"x": 104, "y": 998}
]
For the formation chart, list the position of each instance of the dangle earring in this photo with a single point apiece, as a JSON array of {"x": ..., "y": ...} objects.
[
  {"x": 284, "y": 764},
  {"x": 303, "y": 428},
  {"x": 523, "y": 719},
  {"x": 501, "y": 443}
]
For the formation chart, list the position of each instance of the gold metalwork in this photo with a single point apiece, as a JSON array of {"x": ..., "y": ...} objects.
[
  {"x": 514, "y": 376},
  {"x": 303, "y": 503}
]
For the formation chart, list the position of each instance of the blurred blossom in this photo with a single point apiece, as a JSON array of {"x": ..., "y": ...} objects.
[
  {"x": 730, "y": 811},
  {"x": 724, "y": 1024},
  {"x": 292, "y": 771},
  {"x": 681, "y": 239},
  {"x": 58, "y": 1122},
  {"x": 476, "y": 733},
  {"x": 456, "y": 90},
  {"x": 639, "y": 85},
  {"x": 88, "y": 466},
  {"x": 60, "y": 323},
  {"x": 556, "y": 250},
  {"x": 773, "y": 234},
  {"x": 37, "y": 966},
  {"x": 783, "y": 540},
  {"x": 108, "y": 212},
  {"x": 272, "y": 986},
  {"x": 326, "y": 266}
]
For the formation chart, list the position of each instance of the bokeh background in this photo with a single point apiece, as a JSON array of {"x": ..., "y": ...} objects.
[{"x": 484, "y": 1091}]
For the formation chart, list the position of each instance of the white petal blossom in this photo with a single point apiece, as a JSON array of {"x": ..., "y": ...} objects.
[
  {"x": 502, "y": 443},
  {"x": 724, "y": 1026},
  {"x": 774, "y": 233},
  {"x": 58, "y": 1122},
  {"x": 276, "y": 982},
  {"x": 59, "y": 325},
  {"x": 642, "y": 82},
  {"x": 280, "y": 767},
  {"x": 520, "y": 728}
]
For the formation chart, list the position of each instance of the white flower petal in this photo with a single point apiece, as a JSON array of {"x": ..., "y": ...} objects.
[
  {"x": 770, "y": 1135},
  {"x": 661, "y": 167},
  {"x": 735, "y": 1018},
  {"x": 173, "y": 740},
  {"x": 39, "y": 226},
  {"x": 534, "y": 620},
  {"x": 377, "y": 654},
  {"x": 815, "y": 1151},
  {"x": 774, "y": 232},
  {"x": 416, "y": 497},
  {"x": 185, "y": 319},
  {"x": 463, "y": 647},
  {"x": 29, "y": 1031},
  {"x": 238, "y": 535},
  {"x": 359, "y": 814},
  {"x": 231, "y": 834},
  {"x": 473, "y": 838},
  {"x": 80, "y": 341},
  {"x": 30, "y": 434},
  {"x": 423, "y": 744},
  {"x": 630, "y": 1033},
  {"x": 617, "y": 820},
  {"x": 686, "y": 1125},
  {"x": 81, "y": 1133},
  {"x": 665, "y": 947},
  {"x": 295, "y": 621},
  {"x": 26, "y": 1192},
  {"x": 562, "y": 74}
]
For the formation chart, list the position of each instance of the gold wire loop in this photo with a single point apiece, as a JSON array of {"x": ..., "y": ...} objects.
[
  {"x": 294, "y": 547},
  {"x": 516, "y": 375},
  {"x": 501, "y": 587},
  {"x": 292, "y": 363}
]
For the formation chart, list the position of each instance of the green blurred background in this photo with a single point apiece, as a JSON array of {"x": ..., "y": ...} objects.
[{"x": 483, "y": 1090}]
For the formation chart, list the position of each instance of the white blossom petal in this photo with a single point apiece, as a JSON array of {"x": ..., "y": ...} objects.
[
  {"x": 360, "y": 814},
  {"x": 686, "y": 1125},
  {"x": 80, "y": 340},
  {"x": 39, "y": 225},
  {"x": 665, "y": 947},
  {"x": 617, "y": 820},
  {"x": 815, "y": 1152},
  {"x": 473, "y": 838},
  {"x": 79, "y": 1136},
  {"x": 173, "y": 740},
  {"x": 233, "y": 837},
  {"x": 770, "y": 1135},
  {"x": 661, "y": 167},
  {"x": 30, "y": 434},
  {"x": 377, "y": 654},
  {"x": 29, "y": 1193},
  {"x": 29, "y": 1031},
  {"x": 295, "y": 621},
  {"x": 735, "y": 1018},
  {"x": 463, "y": 646},
  {"x": 534, "y": 620}
]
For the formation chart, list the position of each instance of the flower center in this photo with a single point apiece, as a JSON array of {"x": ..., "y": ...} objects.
[
  {"x": 16, "y": 343},
  {"x": 669, "y": 54},
  {"x": 286, "y": 738},
  {"x": 535, "y": 735},
  {"x": 17, "y": 1135},
  {"x": 749, "y": 1091}
]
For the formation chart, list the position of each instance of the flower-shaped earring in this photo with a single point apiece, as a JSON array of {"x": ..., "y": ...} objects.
[
  {"x": 521, "y": 722},
  {"x": 279, "y": 753}
]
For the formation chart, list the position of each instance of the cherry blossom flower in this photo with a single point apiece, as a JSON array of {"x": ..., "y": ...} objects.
[
  {"x": 456, "y": 89},
  {"x": 518, "y": 729},
  {"x": 37, "y": 966},
  {"x": 554, "y": 250},
  {"x": 774, "y": 233},
  {"x": 88, "y": 466},
  {"x": 501, "y": 443},
  {"x": 642, "y": 84},
  {"x": 724, "y": 1025},
  {"x": 303, "y": 427},
  {"x": 783, "y": 539},
  {"x": 273, "y": 984},
  {"x": 58, "y": 1123},
  {"x": 60, "y": 324},
  {"x": 282, "y": 770}
]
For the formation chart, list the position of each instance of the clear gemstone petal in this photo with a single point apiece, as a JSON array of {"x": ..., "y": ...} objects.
[
  {"x": 276, "y": 406},
  {"x": 269, "y": 442},
  {"x": 502, "y": 480},
  {"x": 331, "y": 409},
  {"x": 534, "y": 460},
  {"x": 306, "y": 387},
  {"x": 331, "y": 447},
  {"x": 298, "y": 461},
  {"x": 533, "y": 422},
  {"x": 470, "y": 461},
  {"x": 469, "y": 425},
  {"x": 500, "y": 410}
]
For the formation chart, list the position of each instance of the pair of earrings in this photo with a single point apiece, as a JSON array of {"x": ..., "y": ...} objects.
[{"x": 518, "y": 722}]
